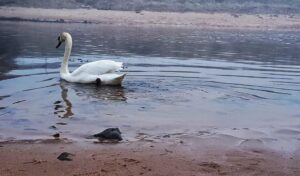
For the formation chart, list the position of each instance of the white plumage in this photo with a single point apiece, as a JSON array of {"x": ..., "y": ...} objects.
[{"x": 105, "y": 70}]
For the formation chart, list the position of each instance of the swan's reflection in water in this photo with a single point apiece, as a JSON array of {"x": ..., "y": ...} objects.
[
  {"x": 63, "y": 109},
  {"x": 86, "y": 92}
]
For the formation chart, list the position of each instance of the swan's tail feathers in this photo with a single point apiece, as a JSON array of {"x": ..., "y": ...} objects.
[
  {"x": 117, "y": 81},
  {"x": 112, "y": 79},
  {"x": 121, "y": 78}
]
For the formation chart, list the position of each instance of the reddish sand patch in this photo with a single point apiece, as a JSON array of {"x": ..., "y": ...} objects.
[{"x": 142, "y": 158}]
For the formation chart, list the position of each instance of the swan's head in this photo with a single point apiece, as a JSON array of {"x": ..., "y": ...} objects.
[{"x": 62, "y": 38}]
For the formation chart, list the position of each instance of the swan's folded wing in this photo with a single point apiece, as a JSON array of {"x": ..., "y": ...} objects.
[
  {"x": 98, "y": 68},
  {"x": 112, "y": 79}
]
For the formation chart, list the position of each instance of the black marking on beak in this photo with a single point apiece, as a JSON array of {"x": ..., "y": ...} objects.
[{"x": 59, "y": 43}]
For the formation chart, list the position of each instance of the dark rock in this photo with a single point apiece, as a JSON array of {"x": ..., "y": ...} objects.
[
  {"x": 61, "y": 123},
  {"x": 57, "y": 102},
  {"x": 235, "y": 15},
  {"x": 30, "y": 129},
  {"x": 166, "y": 136},
  {"x": 109, "y": 134},
  {"x": 56, "y": 107},
  {"x": 19, "y": 101},
  {"x": 65, "y": 156},
  {"x": 52, "y": 127},
  {"x": 60, "y": 20},
  {"x": 56, "y": 135}
]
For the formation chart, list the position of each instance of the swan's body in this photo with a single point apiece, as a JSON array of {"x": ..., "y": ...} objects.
[{"x": 92, "y": 72}]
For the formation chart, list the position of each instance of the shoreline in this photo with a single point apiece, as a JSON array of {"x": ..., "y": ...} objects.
[
  {"x": 186, "y": 154},
  {"x": 172, "y": 19},
  {"x": 143, "y": 158}
]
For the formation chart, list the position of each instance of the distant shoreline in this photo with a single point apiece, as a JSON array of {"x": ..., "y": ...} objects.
[
  {"x": 204, "y": 6},
  {"x": 174, "y": 19}
]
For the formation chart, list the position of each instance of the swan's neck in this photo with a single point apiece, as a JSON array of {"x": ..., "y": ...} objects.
[{"x": 64, "y": 69}]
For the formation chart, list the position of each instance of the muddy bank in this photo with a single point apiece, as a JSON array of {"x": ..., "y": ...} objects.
[
  {"x": 143, "y": 158},
  {"x": 171, "y": 154},
  {"x": 189, "y": 19}
]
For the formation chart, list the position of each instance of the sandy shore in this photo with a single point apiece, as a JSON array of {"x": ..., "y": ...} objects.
[
  {"x": 142, "y": 158},
  {"x": 189, "y": 19}
]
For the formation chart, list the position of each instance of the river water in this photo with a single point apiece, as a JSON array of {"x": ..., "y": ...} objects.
[{"x": 240, "y": 83}]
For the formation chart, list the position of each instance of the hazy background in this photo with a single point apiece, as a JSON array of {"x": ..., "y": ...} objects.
[{"x": 232, "y": 6}]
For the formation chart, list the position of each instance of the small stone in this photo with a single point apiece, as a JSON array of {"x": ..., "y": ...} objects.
[
  {"x": 109, "y": 134},
  {"x": 57, "y": 102},
  {"x": 103, "y": 170},
  {"x": 52, "y": 127},
  {"x": 56, "y": 135},
  {"x": 61, "y": 20},
  {"x": 61, "y": 123},
  {"x": 64, "y": 156},
  {"x": 58, "y": 107},
  {"x": 166, "y": 136}
]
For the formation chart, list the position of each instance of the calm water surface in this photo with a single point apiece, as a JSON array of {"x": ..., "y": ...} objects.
[{"x": 179, "y": 80}]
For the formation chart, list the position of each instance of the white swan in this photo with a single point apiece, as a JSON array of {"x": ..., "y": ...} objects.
[{"x": 100, "y": 72}]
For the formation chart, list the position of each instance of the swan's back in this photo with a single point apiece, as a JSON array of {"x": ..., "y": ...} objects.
[{"x": 98, "y": 68}]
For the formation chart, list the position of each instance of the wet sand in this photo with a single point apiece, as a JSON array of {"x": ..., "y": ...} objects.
[
  {"x": 142, "y": 158},
  {"x": 188, "y": 19}
]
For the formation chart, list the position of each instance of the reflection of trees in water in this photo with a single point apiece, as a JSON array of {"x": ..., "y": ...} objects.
[
  {"x": 25, "y": 39},
  {"x": 89, "y": 92},
  {"x": 34, "y": 40},
  {"x": 195, "y": 43},
  {"x": 38, "y": 40},
  {"x": 9, "y": 50}
]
